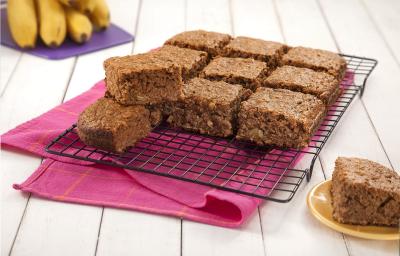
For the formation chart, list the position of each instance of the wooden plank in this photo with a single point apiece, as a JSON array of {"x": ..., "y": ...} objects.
[
  {"x": 158, "y": 22},
  {"x": 355, "y": 135},
  {"x": 128, "y": 232},
  {"x": 89, "y": 69},
  {"x": 8, "y": 61},
  {"x": 209, "y": 15},
  {"x": 135, "y": 233},
  {"x": 387, "y": 19},
  {"x": 246, "y": 240},
  {"x": 14, "y": 168},
  {"x": 360, "y": 37},
  {"x": 49, "y": 227},
  {"x": 298, "y": 20},
  {"x": 59, "y": 233},
  {"x": 349, "y": 141},
  {"x": 215, "y": 16},
  {"x": 360, "y": 32},
  {"x": 263, "y": 22},
  {"x": 22, "y": 100},
  {"x": 289, "y": 229},
  {"x": 52, "y": 228},
  {"x": 24, "y": 97}
]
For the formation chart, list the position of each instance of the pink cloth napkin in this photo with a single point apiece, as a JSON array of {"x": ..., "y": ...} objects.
[{"x": 70, "y": 180}]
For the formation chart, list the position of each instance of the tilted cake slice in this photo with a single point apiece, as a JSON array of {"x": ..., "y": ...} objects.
[
  {"x": 365, "y": 193},
  {"x": 113, "y": 127}
]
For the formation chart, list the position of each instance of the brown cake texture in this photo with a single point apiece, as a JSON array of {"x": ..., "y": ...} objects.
[
  {"x": 279, "y": 117},
  {"x": 320, "y": 84},
  {"x": 191, "y": 61},
  {"x": 318, "y": 60},
  {"x": 156, "y": 115},
  {"x": 210, "y": 42},
  {"x": 143, "y": 79},
  {"x": 113, "y": 127},
  {"x": 246, "y": 47},
  {"x": 365, "y": 193},
  {"x": 208, "y": 107},
  {"x": 248, "y": 72}
]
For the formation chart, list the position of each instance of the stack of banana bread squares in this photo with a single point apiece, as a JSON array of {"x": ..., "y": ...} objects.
[{"x": 259, "y": 91}]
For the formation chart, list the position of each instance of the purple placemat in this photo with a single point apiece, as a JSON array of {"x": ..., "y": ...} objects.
[{"x": 112, "y": 36}]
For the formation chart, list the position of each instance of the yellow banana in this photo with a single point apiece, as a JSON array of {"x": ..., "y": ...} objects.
[
  {"x": 78, "y": 26},
  {"x": 100, "y": 15},
  {"x": 66, "y": 2},
  {"x": 22, "y": 22},
  {"x": 53, "y": 27},
  {"x": 85, "y": 6}
]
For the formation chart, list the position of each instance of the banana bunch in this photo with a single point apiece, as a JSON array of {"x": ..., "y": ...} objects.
[{"x": 53, "y": 20}]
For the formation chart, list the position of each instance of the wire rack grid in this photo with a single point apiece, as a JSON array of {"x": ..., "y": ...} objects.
[{"x": 263, "y": 172}]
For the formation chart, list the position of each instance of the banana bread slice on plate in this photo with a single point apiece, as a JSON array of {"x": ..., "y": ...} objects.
[{"x": 365, "y": 193}]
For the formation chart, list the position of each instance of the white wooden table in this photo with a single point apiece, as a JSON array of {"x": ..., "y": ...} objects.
[{"x": 370, "y": 128}]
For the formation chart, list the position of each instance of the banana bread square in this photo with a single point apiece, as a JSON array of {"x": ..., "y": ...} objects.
[
  {"x": 208, "y": 107},
  {"x": 365, "y": 193},
  {"x": 113, "y": 127},
  {"x": 280, "y": 117},
  {"x": 318, "y": 60},
  {"x": 191, "y": 61},
  {"x": 246, "y": 47},
  {"x": 210, "y": 42},
  {"x": 248, "y": 72},
  {"x": 320, "y": 84},
  {"x": 144, "y": 79}
]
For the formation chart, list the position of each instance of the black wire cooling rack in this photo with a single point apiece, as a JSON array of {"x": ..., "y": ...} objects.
[{"x": 264, "y": 172}]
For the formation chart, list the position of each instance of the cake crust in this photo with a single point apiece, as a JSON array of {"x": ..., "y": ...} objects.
[
  {"x": 247, "y": 72},
  {"x": 246, "y": 47},
  {"x": 316, "y": 59},
  {"x": 280, "y": 117},
  {"x": 365, "y": 193},
  {"x": 113, "y": 127},
  {"x": 210, "y": 42},
  {"x": 143, "y": 79},
  {"x": 191, "y": 61},
  {"x": 320, "y": 84}
]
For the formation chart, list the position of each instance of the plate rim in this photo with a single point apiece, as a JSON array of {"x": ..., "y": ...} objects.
[{"x": 336, "y": 225}]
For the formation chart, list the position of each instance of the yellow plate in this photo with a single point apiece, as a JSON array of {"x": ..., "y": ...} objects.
[{"x": 319, "y": 203}]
